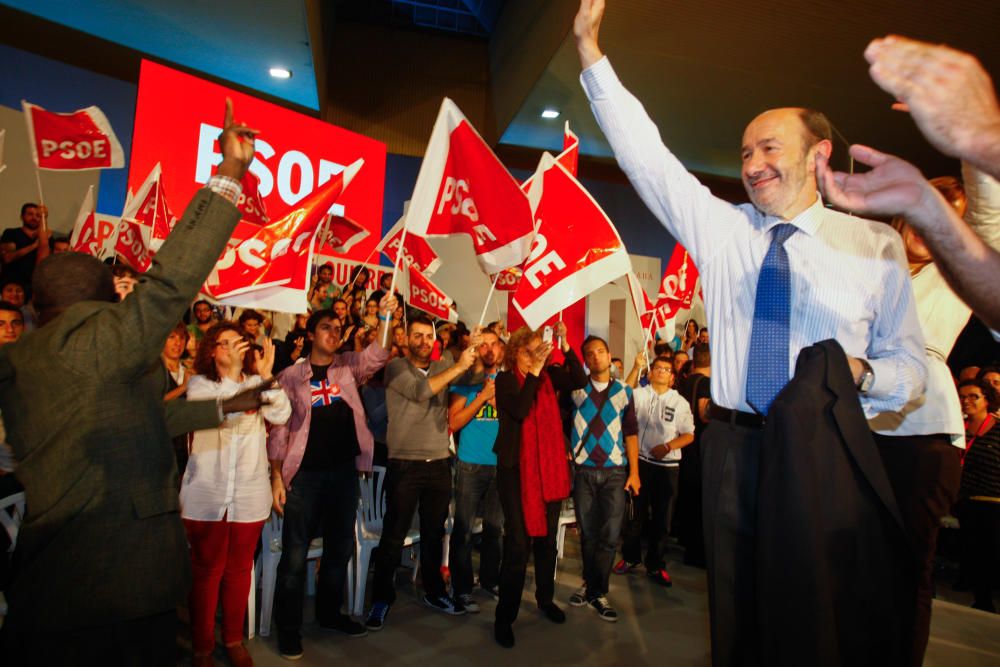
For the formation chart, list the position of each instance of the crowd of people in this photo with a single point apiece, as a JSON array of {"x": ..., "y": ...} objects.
[{"x": 154, "y": 434}]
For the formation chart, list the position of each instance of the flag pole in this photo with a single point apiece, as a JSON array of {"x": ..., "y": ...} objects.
[
  {"x": 489, "y": 297},
  {"x": 392, "y": 285},
  {"x": 41, "y": 197}
]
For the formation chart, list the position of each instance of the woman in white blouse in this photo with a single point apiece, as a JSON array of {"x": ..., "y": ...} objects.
[{"x": 226, "y": 490}]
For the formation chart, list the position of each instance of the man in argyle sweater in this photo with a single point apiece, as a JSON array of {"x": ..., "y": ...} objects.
[{"x": 605, "y": 450}]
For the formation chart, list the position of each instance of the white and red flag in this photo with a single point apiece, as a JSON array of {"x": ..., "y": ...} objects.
[
  {"x": 91, "y": 229},
  {"x": 149, "y": 208},
  {"x": 462, "y": 188},
  {"x": 677, "y": 287},
  {"x": 250, "y": 203},
  {"x": 82, "y": 139},
  {"x": 569, "y": 158},
  {"x": 416, "y": 251},
  {"x": 270, "y": 268},
  {"x": 577, "y": 249},
  {"x": 341, "y": 235},
  {"x": 644, "y": 307},
  {"x": 428, "y": 297},
  {"x": 133, "y": 245}
]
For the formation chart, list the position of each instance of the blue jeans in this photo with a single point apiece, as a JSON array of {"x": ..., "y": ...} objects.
[
  {"x": 599, "y": 497},
  {"x": 475, "y": 484},
  {"x": 319, "y": 503}
]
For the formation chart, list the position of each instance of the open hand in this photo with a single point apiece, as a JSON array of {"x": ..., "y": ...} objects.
[
  {"x": 586, "y": 27},
  {"x": 265, "y": 359}
]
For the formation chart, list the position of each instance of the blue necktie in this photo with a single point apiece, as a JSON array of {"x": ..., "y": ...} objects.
[{"x": 767, "y": 367}]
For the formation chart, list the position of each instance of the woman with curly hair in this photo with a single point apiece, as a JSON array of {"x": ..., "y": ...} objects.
[{"x": 226, "y": 490}]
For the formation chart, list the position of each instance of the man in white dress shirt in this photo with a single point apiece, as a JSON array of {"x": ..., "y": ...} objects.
[{"x": 842, "y": 278}]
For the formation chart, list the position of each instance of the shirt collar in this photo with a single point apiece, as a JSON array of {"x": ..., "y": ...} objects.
[{"x": 807, "y": 221}]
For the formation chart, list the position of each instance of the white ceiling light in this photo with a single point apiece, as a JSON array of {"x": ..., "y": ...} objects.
[
  {"x": 550, "y": 113},
  {"x": 281, "y": 73}
]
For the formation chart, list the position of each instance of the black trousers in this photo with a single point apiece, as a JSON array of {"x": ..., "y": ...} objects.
[
  {"x": 517, "y": 545},
  {"x": 981, "y": 529},
  {"x": 731, "y": 462},
  {"x": 924, "y": 471},
  {"x": 409, "y": 484},
  {"x": 688, "y": 522},
  {"x": 653, "y": 508}
]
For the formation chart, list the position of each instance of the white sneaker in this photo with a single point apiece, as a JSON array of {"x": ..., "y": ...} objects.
[
  {"x": 466, "y": 600},
  {"x": 579, "y": 597}
]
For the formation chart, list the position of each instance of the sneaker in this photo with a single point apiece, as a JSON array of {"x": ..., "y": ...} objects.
[
  {"x": 624, "y": 567},
  {"x": 444, "y": 604},
  {"x": 603, "y": 608},
  {"x": 467, "y": 601},
  {"x": 579, "y": 597},
  {"x": 290, "y": 646},
  {"x": 376, "y": 617},
  {"x": 492, "y": 591},
  {"x": 345, "y": 624},
  {"x": 662, "y": 577}
]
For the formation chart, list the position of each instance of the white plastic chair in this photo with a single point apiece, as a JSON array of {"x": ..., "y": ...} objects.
[
  {"x": 371, "y": 511},
  {"x": 567, "y": 516},
  {"x": 11, "y": 515},
  {"x": 270, "y": 554}
]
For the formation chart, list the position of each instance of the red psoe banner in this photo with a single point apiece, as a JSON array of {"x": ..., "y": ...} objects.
[
  {"x": 428, "y": 297},
  {"x": 576, "y": 249},
  {"x": 82, "y": 139},
  {"x": 341, "y": 235},
  {"x": 178, "y": 120},
  {"x": 417, "y": 251},
  {"x": 462, "y": 188},
  {"x": 677, "y": 285},
  {"x": 149, "y": 208}
]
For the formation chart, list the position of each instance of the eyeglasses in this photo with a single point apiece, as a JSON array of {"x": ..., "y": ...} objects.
[
  {"x": 662, "y": 369},
  {"x": 971, "y": 397}
]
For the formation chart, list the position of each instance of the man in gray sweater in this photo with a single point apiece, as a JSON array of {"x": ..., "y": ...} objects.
[{"x": 418, "y": 471}]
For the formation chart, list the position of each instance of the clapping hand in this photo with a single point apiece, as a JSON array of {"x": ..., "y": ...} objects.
[{"x": 265, "y": 359}]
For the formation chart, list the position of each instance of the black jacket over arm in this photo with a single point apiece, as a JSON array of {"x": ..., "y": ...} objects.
[
  {"x": 514, "y": 402},
  {"x": 831, "y": 550}
]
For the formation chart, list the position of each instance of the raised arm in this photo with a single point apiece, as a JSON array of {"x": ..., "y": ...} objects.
[
  {"x": 461, "y": 411},
  {"x": 895, "y": 187}
]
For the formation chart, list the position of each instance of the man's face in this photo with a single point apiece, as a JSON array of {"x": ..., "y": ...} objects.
[
  {"x": 972, "y": 400},
  {"x": 490, "y": 350},
  {"x": 420, "y": 341},
  {"x": 326, "y": 338},
  {"x": 779, "y": 173},
  {"x": 59, "y": 247},
  {"x": 680, "y": 359},
  {"x": 597, "y": 357},
  {"x": 340, "y": 309},
  {"x": 174, "y": 347},
  {"x": 32, "y": 217},
  {"x": 325, "y": 275},
  {"x": 252, "y": 327},
  {"x": 11, "y": 326},
  {"x": 399, "y": 336},
  {"x": 993, "y": 379},
  {"x": 703, "y": 337},
  {"x": 661, "y": 374},
  {"x": 13, "y": 293},
  {"x": 202, "y": 313}
]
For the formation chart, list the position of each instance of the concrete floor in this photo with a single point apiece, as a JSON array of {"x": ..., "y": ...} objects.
[{"x": 655, "y": 626}]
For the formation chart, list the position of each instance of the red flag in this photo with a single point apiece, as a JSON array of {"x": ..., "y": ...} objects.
[
  {"x": 250, "y": 203},
  {"x": 677, "y": 285},
  {"x": 82, "y": 139},
  {"x": 341, "y": 235},
  {"x": 428, "y": 297},
  {"x": 569, "y": 157},
  {"x": 149, "y": 208},
  {"x": 132, "y": 245},
  {"x": 418, "y": 252},
  {"x": 508, "y": 280},
  {"x": 278, "y": 255},
  {"x": 91, "y": 230},
  {"x": 576, "y": 250},
  {"x": 462, "y": 188}
]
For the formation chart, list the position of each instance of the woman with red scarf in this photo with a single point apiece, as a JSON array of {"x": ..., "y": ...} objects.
[{"x": 532, "y": 469}]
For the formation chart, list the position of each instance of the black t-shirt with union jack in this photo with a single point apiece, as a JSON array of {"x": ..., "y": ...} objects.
[{"x": 333, "y": 440}]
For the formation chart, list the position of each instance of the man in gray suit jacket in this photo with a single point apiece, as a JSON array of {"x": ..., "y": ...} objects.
[{"x": 101, "y": 560}]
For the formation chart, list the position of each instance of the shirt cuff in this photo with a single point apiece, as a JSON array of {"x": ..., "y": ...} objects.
[
  {"x": 598, "y": 79},
  {"x": 886, "y": 380},
  {"x": 225, "y": 186}
]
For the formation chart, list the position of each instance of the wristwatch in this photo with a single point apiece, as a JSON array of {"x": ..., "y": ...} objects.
[{"x": 867, "y": 377}]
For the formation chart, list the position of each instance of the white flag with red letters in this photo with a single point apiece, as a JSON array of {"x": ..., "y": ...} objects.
[
  {"x": 82, "y": 139},
  {"x": 576, "y": 250},
  {"x": 462, "y": 188}
]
